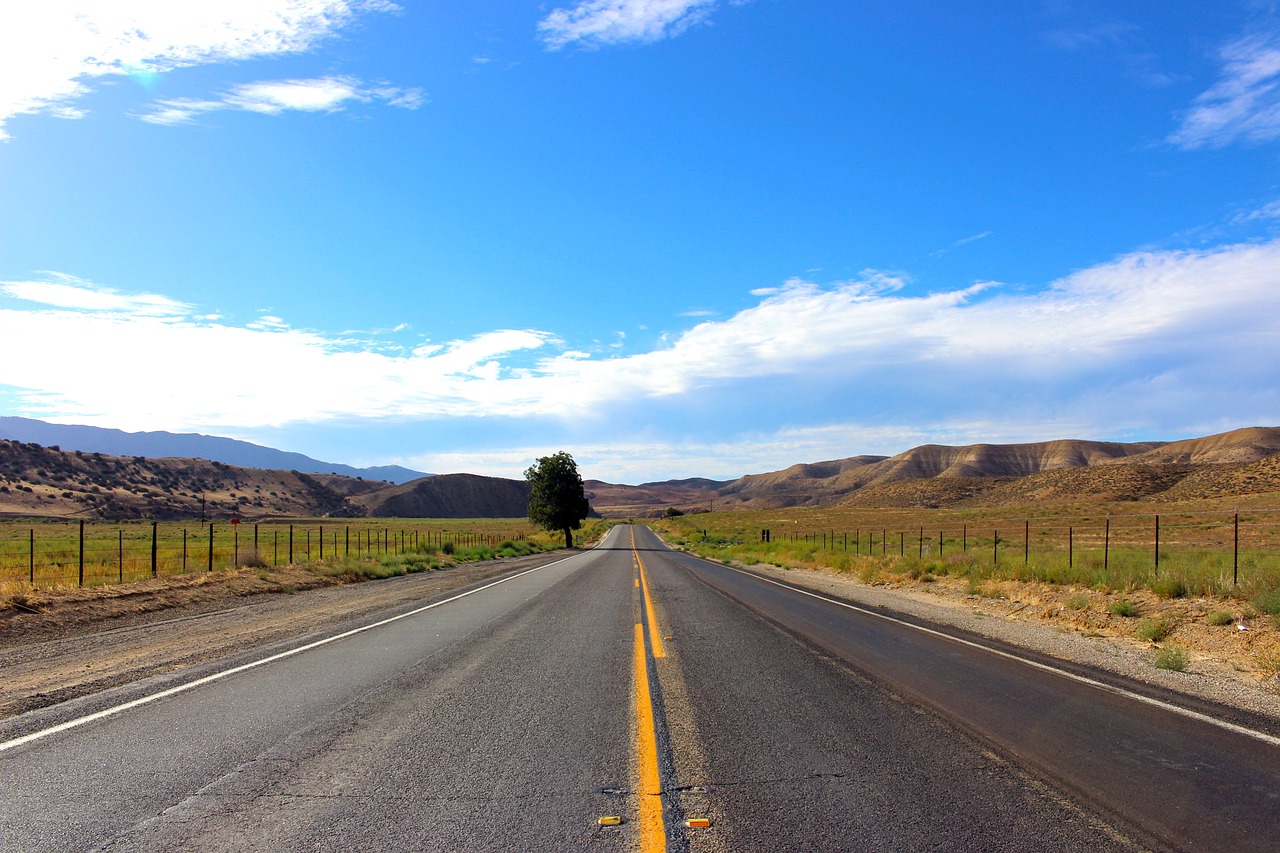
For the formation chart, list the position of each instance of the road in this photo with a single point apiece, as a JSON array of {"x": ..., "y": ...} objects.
[{"x": 630, "y": 682}]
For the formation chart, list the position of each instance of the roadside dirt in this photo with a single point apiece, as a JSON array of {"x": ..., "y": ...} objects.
[{"x": 56, "y": 646}]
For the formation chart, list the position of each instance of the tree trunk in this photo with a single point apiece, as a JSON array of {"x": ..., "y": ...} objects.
[{"x": 568, "y": 537}]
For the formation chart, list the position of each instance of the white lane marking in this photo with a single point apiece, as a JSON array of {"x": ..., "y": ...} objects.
[
  {"x": 200, "y": 682},
  {"x": 1120, "y": 691}
]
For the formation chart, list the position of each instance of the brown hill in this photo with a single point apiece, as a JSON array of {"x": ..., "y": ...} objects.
[
  {"x": 650, "y": 499},
  {"x": 47, "y": 482},
  {"x": 1241, "y": 445},
  {"x": 1009, "y": 473},
  {"x": 451, "y": 496}
]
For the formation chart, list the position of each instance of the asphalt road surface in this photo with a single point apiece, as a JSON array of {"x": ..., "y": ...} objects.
[{"x": 633, "y": 683}]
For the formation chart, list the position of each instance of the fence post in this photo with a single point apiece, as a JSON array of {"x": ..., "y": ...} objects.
[
  {"x": 82, "y": 552},
  {"x": 857, "y": 541},
  {"x": 322, "y": 542},
  {"x": 235, "y": 545},
  {"x": 291, "y": 544},
  {"x": 153, "y": 549},
  {"x": 184, "y": 550},
  {"x": 964, "y": 538},
  {"x": 347, "y": 551},
  {"x": 120, "y": 553},
  {"x": 1157, "y": 544},
  {"x": 1235, "y": 550},
  {"x": 32, "y": 552},
  {"x": 275, "y": 547},
  {"x": 1106, "y": 547},
  {"x": 210, "y": 547},
  {"x": 1026, "y": 540},
  {"x": 1071, "y": 553},
  {"x": 995, "y": 548},
  {"x": 921, "y": 554},
  {"x": 939, "y": 544}
]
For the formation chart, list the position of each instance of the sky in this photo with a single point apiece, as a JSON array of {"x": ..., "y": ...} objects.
[{"x": 675, "y": 238}]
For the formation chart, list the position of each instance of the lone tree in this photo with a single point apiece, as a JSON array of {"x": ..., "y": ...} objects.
[{"x": 557, "y": 500}]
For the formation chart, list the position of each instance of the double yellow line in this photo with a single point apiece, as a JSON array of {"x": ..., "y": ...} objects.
[{"x": 653, "y": 833}]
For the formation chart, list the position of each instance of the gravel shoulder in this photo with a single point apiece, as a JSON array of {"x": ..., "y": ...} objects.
[{"x": 61, "y": 645}]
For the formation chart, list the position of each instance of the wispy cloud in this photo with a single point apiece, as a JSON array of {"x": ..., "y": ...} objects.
[
  {"x": 594, "y": 23},
  {"x": 1143, "y": 339},
  {"x": 272, "y": 97},
  {"x": 51, "y": 53},
  {"x": 1244, "y": 104},
  {"x": 964, "y": 242}
]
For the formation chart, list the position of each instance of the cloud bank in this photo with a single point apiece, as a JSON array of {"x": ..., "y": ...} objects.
[
  {"x": 1149, "y": 340},
  {"x": 52, "y": 52}
]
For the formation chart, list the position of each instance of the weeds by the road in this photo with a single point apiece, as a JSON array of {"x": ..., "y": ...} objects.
[{"x": 1172, "y": 657}]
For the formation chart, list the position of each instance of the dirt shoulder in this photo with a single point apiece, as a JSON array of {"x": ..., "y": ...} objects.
[
  {"x": 1233, "y": 664},
  {"x": 56, "y": 646}
]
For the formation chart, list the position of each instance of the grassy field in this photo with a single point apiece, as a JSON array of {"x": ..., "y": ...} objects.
[
  {"x": 1204, "y": 549},
  {"x": 48, "y": 554}
]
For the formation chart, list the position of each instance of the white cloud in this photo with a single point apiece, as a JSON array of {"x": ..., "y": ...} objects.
[
  {"x": 272, "y": 97},
  {"x": 593, "y": 23},
  {"x": 70, "y": 292},
  {"x": 1244, "y": 104},
  {"x": 1147, "y": 336},
  {"x": 51, "y": 52}
]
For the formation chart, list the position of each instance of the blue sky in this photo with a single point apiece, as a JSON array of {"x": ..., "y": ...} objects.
[{"x": 674, "y": 237}]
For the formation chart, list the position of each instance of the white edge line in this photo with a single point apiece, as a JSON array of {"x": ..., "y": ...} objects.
[
  {"x": 1110, "y": 688},
  {"x": 199, "y": 682}
]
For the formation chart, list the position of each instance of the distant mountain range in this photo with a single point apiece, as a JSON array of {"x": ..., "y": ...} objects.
[
  {"x": 162, "y": 445},
  {"x": 168, "y": 476}
]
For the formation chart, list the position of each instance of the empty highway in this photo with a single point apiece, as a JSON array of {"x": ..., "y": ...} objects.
[{"x": 633, "y": 698}]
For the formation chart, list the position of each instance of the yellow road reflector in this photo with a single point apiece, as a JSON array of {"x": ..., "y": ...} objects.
[
  {"x": 609, "y": 820},
  {"x": 698, "y": 822}
]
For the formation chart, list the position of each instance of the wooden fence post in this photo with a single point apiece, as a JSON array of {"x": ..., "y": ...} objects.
[
  {"x": 82, "y": 552},
  {"x": 210, "y": 568},
  {"x": 154, "y": 568}
]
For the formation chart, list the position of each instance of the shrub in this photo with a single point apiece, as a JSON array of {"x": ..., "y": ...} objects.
[
  {"x": 1153, "y": 630},
  {"x": 1123, "y": 607},
  {"x": 447, "y": 547},
  {"x": 1172, "y": 658},
  {"x": 1077, "y": 602},
  {"x": 1221, "y": 617},
  {"x": 1268, "y": 602},
  {"x": 1169, "y": 587}
]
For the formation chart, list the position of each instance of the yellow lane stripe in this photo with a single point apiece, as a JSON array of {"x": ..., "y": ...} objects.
[
  {"x": 655, "y": 636},
  {"x": 653, "y": 833}
]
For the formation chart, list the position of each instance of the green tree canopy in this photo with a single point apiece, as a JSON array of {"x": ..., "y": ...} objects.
[{"x": 557, "y": 500}]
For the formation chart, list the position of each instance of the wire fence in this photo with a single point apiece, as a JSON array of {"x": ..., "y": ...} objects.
[
  {"x": 1210, "y": 550},
  {"x": 80, "y": 553}
]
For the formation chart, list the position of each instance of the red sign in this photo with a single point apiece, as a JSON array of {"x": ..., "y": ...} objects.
[{"x": 235, "y": 521}]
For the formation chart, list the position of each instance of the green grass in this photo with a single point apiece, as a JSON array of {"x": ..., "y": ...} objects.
[
  {"x": 121, "y": 552},
  {"x": 1172, "y": 657},
  {"x": 1221, "y": 617},
  {"x": 1077, "y": 602},
  {"x": 1153, "y": 630},
  {"x": 1123, "y": 607},
  {"x": 1196, "y": 554}
]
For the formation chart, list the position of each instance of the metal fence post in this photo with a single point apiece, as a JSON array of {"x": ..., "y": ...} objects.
[{"x": 153, "y": 549}]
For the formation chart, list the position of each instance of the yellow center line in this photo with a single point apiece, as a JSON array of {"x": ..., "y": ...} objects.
[
  {"x": 655, "y": 636},
  {"x": 653, "y": 833}
]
